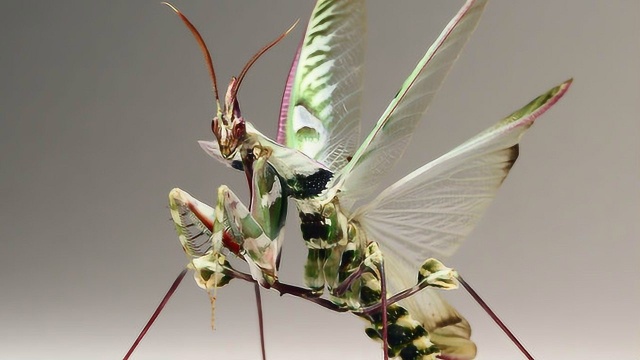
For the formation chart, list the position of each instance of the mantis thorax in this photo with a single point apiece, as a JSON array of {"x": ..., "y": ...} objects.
[{"x": 324, "y": 225}]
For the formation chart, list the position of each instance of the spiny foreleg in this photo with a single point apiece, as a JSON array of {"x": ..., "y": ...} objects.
[
  {"x": 204, "y": 235},
  {"x": 256, "y": 248}
]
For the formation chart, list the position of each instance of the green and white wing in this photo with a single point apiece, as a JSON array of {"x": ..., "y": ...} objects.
[
  {"x": 320, "y": 113},
  {"x": 388, "y": 140},
  {"x": 429, "y": 212}
]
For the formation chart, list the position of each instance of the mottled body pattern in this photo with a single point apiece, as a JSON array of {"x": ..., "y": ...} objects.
[{"x": 318, "y": 162}]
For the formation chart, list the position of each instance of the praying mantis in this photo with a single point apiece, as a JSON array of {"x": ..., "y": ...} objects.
[{"x": 376, "y": 260}]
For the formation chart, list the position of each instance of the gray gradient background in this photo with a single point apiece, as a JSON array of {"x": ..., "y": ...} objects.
[{"x": 101, "y": 106}]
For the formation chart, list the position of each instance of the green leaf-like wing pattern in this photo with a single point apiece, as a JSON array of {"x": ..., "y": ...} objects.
[{"x": 323, "y": 93}]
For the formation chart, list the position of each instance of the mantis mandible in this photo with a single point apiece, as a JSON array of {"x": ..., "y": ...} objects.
[{"x": 316, "y": 161}]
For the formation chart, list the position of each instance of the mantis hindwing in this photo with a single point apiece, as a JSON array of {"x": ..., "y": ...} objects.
[{"x": 319, "y": 162}]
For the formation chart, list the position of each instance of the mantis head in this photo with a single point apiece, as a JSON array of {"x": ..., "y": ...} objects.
[{"x": 228, "y": 125}]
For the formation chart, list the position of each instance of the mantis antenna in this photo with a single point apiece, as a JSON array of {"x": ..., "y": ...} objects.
[
  {"x": 203, "y": 47},
  {"x": 255, "y": 57}
]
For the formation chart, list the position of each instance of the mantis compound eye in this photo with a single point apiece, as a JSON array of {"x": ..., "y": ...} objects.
[{"x": 239, "y": 130}]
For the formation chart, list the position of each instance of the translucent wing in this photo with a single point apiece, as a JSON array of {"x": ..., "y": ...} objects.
[
  {"x": 430, "y": 211},
  {"x": 320, "y": 113},
  {"x": 393, "y": 131}
]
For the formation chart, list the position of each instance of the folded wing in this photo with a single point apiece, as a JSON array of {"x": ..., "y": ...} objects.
[{"x": 320, "y": 112}]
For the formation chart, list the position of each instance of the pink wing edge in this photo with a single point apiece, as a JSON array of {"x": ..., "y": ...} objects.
[{"x": 286, "y": 98}]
